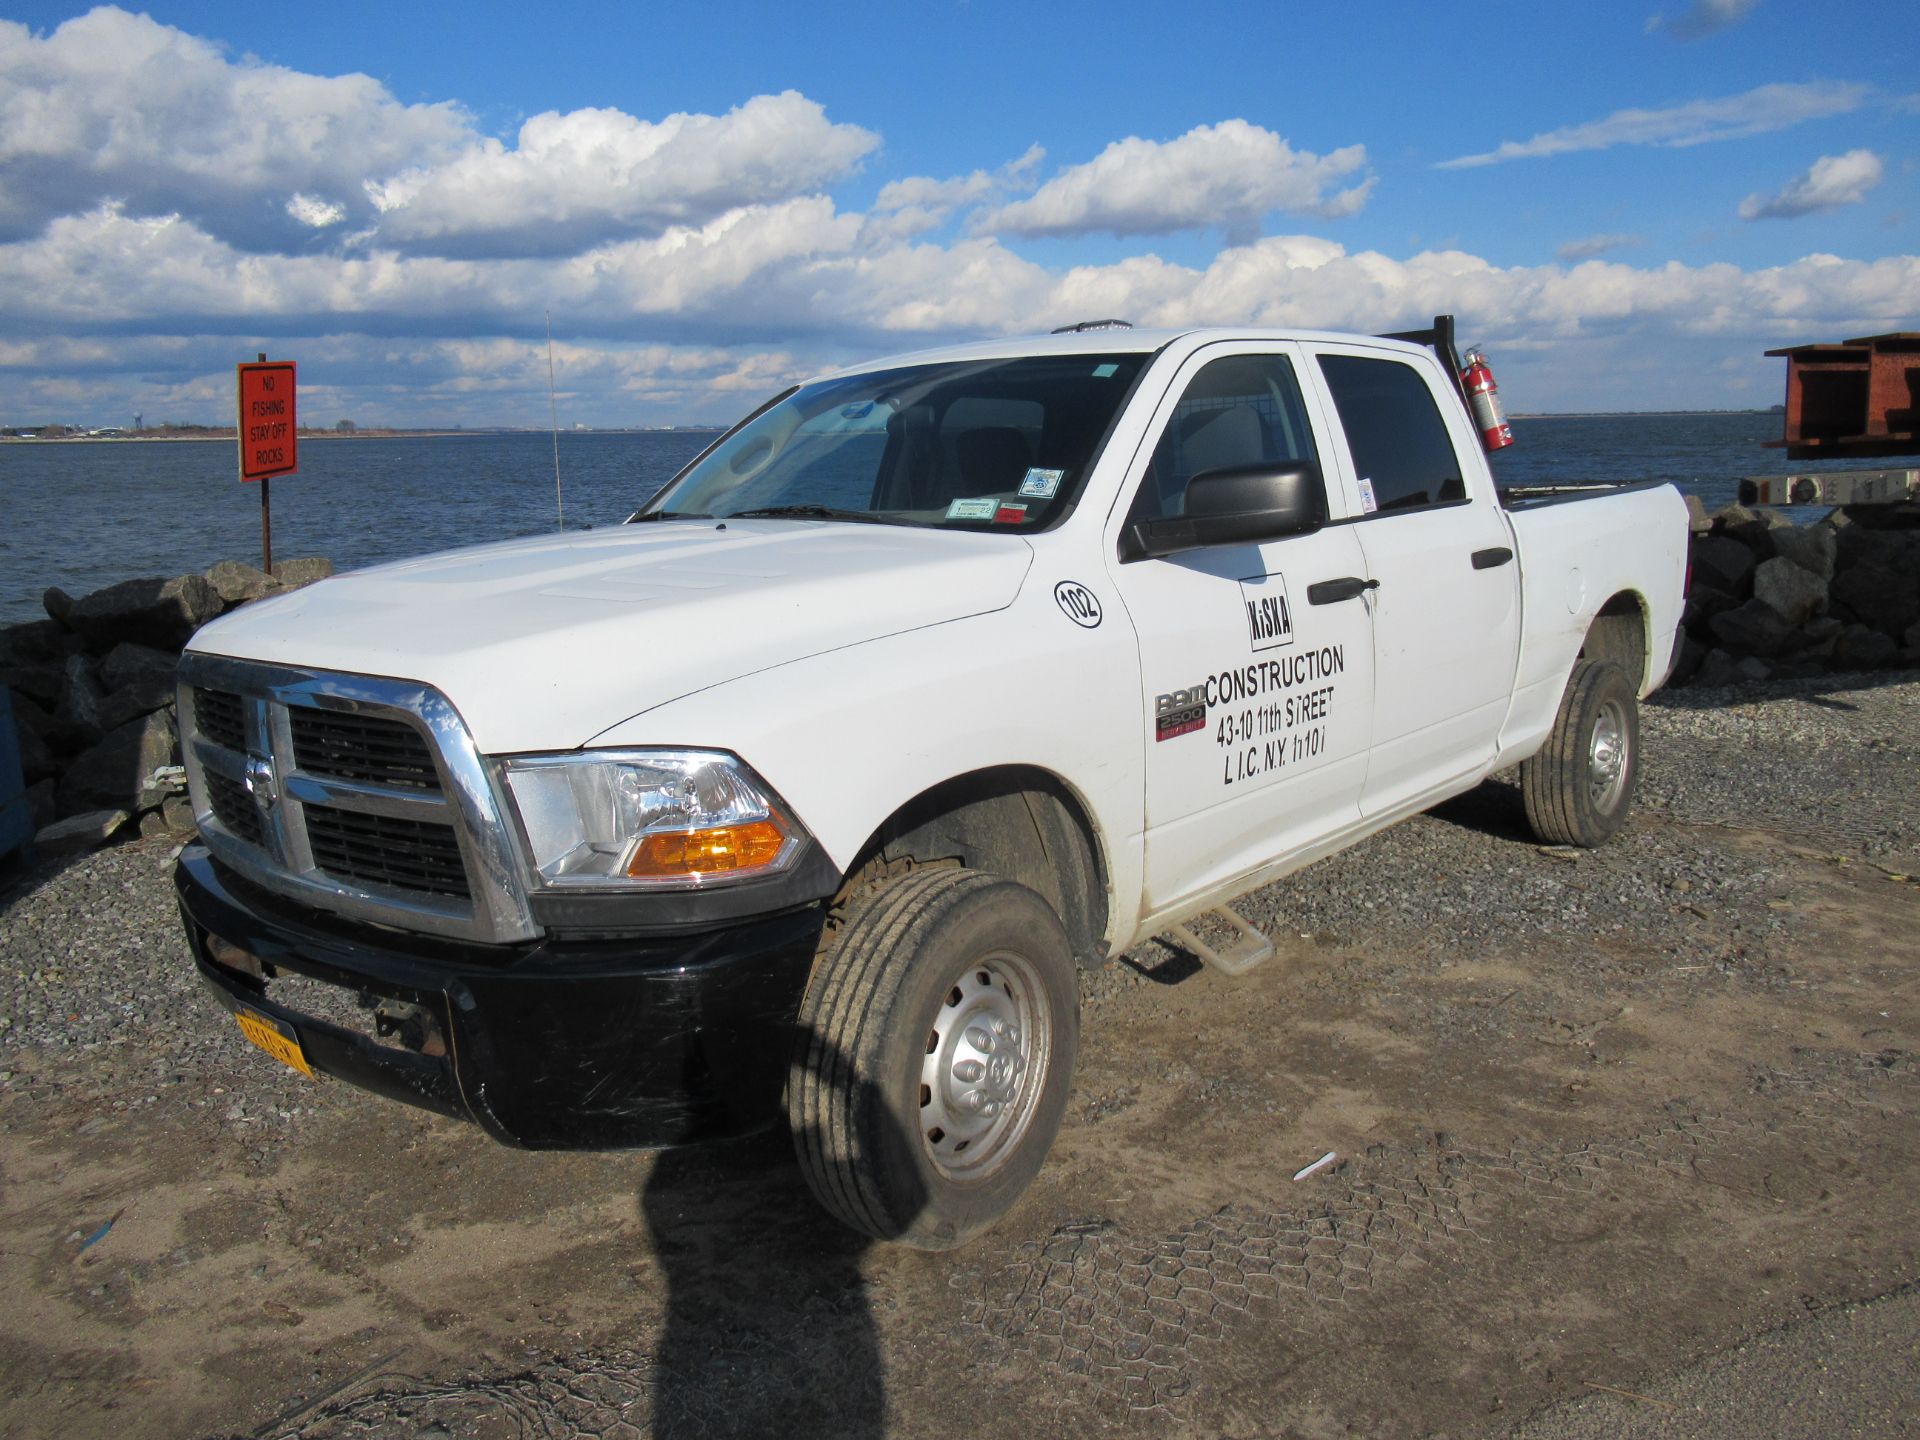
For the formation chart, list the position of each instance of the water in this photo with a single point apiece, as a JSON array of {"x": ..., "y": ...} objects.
[{"x": 82, "y": 516}]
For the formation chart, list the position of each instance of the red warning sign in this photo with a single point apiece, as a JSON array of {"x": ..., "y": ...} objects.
[{"x": 269, "y": 430}]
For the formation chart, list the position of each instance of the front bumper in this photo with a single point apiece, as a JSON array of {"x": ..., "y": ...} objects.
[{"x": 640, "y": 1041}]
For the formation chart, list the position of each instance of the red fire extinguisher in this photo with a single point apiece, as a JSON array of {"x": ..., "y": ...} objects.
[{"x": 1483, "y": 394}]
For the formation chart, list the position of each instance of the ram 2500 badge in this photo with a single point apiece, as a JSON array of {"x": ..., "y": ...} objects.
[{"x": 798, "y": 798}]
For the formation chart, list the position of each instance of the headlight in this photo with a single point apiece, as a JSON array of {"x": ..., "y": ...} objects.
[{"x": 650, "y": 819}]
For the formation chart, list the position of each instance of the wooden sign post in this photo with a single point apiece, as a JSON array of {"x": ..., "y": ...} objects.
[{"x": 269, "y": 432}]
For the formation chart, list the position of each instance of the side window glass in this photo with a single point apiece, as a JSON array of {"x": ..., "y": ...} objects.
[
  {"x": 1241, "y": 410},
  {"x": 1401, "y": 449}
]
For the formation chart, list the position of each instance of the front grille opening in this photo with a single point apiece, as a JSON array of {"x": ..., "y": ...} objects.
[
  {"x": 222, "y": 718},
  {"x": 362, "y": 748},
  {"x": 382, "y": 850},
  {"x": 233, "y": 807}
]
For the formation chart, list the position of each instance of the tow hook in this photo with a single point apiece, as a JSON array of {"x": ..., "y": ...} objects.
[{"x": 412, "y": 1025}]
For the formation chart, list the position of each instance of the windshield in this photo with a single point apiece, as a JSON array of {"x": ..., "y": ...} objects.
[{"x": 990, "y": 444}]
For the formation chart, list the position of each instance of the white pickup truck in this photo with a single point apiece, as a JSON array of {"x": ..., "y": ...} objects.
[{"x": 799, "y": 796}]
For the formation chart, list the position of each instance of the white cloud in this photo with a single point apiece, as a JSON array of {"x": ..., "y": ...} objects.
[
  {"x": 1703, "y": 18},
  {"x": 309, "y": 210},
  {"x": 1831, "y": 181},
  {"x": 920, "y": 192},
  {"x": 1229, "y": 176},
  {"x": 1594, "y": 245},
  {"x": 578, "y": 179},
  {"x": 113, "y": 108},
  {"x": 919, "y": 203},
  {"x": 1698, "y": 122}
]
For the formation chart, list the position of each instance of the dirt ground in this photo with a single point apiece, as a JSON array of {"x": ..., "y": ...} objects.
[{"x": 1574, "y": 1152}]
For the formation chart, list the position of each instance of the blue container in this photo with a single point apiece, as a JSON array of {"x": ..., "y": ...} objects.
[{"x": 16, "y": 815}]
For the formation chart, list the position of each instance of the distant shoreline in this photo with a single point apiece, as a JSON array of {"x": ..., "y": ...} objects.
[{"x": 227, "y": 437}]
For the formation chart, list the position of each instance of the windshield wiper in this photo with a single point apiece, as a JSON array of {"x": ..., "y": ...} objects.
[
  {"x": 807, "y": 512},
  {"x": 667, "y": 515}
]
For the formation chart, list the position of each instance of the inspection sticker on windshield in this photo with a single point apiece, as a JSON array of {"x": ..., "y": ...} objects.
[
  {"x": 1041, "y": 484},
  {"x": 1011, "y": 512},
  {"x": 981, "y": 509},
  {"x": 1367, "y": 503}
]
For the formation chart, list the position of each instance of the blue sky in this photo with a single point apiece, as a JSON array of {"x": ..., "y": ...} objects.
[{"x": 1626, "y": 202}]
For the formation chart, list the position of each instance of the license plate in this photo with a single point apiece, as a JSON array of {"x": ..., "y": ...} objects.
[{"x": 277, "y": 1039}]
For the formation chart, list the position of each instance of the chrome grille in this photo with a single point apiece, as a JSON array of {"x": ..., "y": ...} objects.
[
  {"x": 354, "y": 794},
  {"x": 380, "y": 850},
  {"x": 364, "y": 748},
  {"x": 222, "y": 718},
  {"x": 233, "y": 807}
]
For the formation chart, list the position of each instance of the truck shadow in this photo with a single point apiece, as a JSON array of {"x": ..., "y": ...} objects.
[
  {"x": 769, "y": 1328},
  {"x": 1493, "y": 808}
]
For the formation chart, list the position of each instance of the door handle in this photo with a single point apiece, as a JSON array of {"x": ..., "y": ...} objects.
[
  {"x": 1327, "y": 592},
  {"x": 1488, "y": 559}
]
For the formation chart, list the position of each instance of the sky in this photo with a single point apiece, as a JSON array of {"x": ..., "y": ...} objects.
[{"x": 1624, "y": 202}]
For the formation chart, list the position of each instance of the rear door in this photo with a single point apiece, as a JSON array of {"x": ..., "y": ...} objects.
[
  {"x": 1257, "y": 702},
  {"x": 1446, "y": 615}
]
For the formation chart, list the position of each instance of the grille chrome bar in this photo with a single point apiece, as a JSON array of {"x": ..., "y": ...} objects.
[{"x": 358, "y": 795}]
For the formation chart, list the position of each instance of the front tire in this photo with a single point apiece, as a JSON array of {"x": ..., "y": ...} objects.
[
  {"x": 935, "y": 1056},
  {"x": 1579, "y": 788}
]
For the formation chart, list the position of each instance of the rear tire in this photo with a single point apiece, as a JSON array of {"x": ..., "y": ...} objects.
[
  {"x": 935, "y": 1056},
  {"x": 1579, "y": 788}
]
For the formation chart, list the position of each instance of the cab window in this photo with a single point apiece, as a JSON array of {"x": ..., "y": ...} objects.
[
  {"x": 1402, "y": 453},
  {"x": 1240, "y": 410}
]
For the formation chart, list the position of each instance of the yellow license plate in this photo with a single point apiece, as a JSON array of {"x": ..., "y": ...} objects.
[{"x": 276, "y": 1039}]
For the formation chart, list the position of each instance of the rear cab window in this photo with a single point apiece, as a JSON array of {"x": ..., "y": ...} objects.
[{"x": 1404, "y": 458}]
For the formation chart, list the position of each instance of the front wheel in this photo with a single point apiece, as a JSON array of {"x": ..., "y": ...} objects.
[
  {"x": 1579, "y": 788},
  {"x": 935, "y": 1056}
]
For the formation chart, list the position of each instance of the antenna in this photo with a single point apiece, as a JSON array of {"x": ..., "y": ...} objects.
[{"x": 553, "y": 406}]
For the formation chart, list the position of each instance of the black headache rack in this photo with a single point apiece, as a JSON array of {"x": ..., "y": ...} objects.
[{"x": 1438, "y": 339}]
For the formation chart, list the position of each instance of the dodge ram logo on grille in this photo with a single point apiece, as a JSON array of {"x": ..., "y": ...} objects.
[{"x": 259, "y": 782}]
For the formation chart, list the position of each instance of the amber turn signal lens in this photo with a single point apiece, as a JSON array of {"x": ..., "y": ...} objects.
[{"x": 722, "y": 850}]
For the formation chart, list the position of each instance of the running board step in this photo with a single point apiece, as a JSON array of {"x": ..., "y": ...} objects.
[{"x": 1246, "y": 952}]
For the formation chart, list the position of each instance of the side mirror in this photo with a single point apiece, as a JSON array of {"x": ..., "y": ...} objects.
[{"x": 1242, "y": 505}]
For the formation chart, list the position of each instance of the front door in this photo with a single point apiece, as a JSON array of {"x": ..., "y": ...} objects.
[{"x": 1257, "y": 702}]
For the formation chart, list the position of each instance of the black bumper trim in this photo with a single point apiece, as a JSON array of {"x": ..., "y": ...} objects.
[{"x": 637, "y": 1041}]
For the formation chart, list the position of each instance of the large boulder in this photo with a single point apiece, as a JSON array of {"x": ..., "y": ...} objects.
[
  {"x": 44, "y": 682},
  {"x": 36, "y": 642},
  {"x": 1724, "y": 564},
  {"x": 138, "y": 679},
  {"x": 1811, "y": 547},
  {"x": 236, "y": 582},
  {"x": 113, "y": 773},
  {"x": 1718, "y": 670},
  {"x": 156, "y": 612},
  {"x": 1795, "y": 594},
  {"x": 1863, "y": 648},
  {"x": 78, "y": 832},
  {"x": 302, "y": 571},
  {"x": 58, "y": 603},
  {"x": 1698, "y": 520},
  {"x": 81, "y": 699},
  {"x": 1883, "y": 597},
  {"x": 1756, "y": 628}
]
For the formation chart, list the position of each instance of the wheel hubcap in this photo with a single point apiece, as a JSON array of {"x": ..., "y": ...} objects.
[
  {"x": 1607, "y": 759},
  {"x": 985, "y": 1065}
]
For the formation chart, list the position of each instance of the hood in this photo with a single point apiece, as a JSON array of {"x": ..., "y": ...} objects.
[{"x": 541, "y": 644}]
